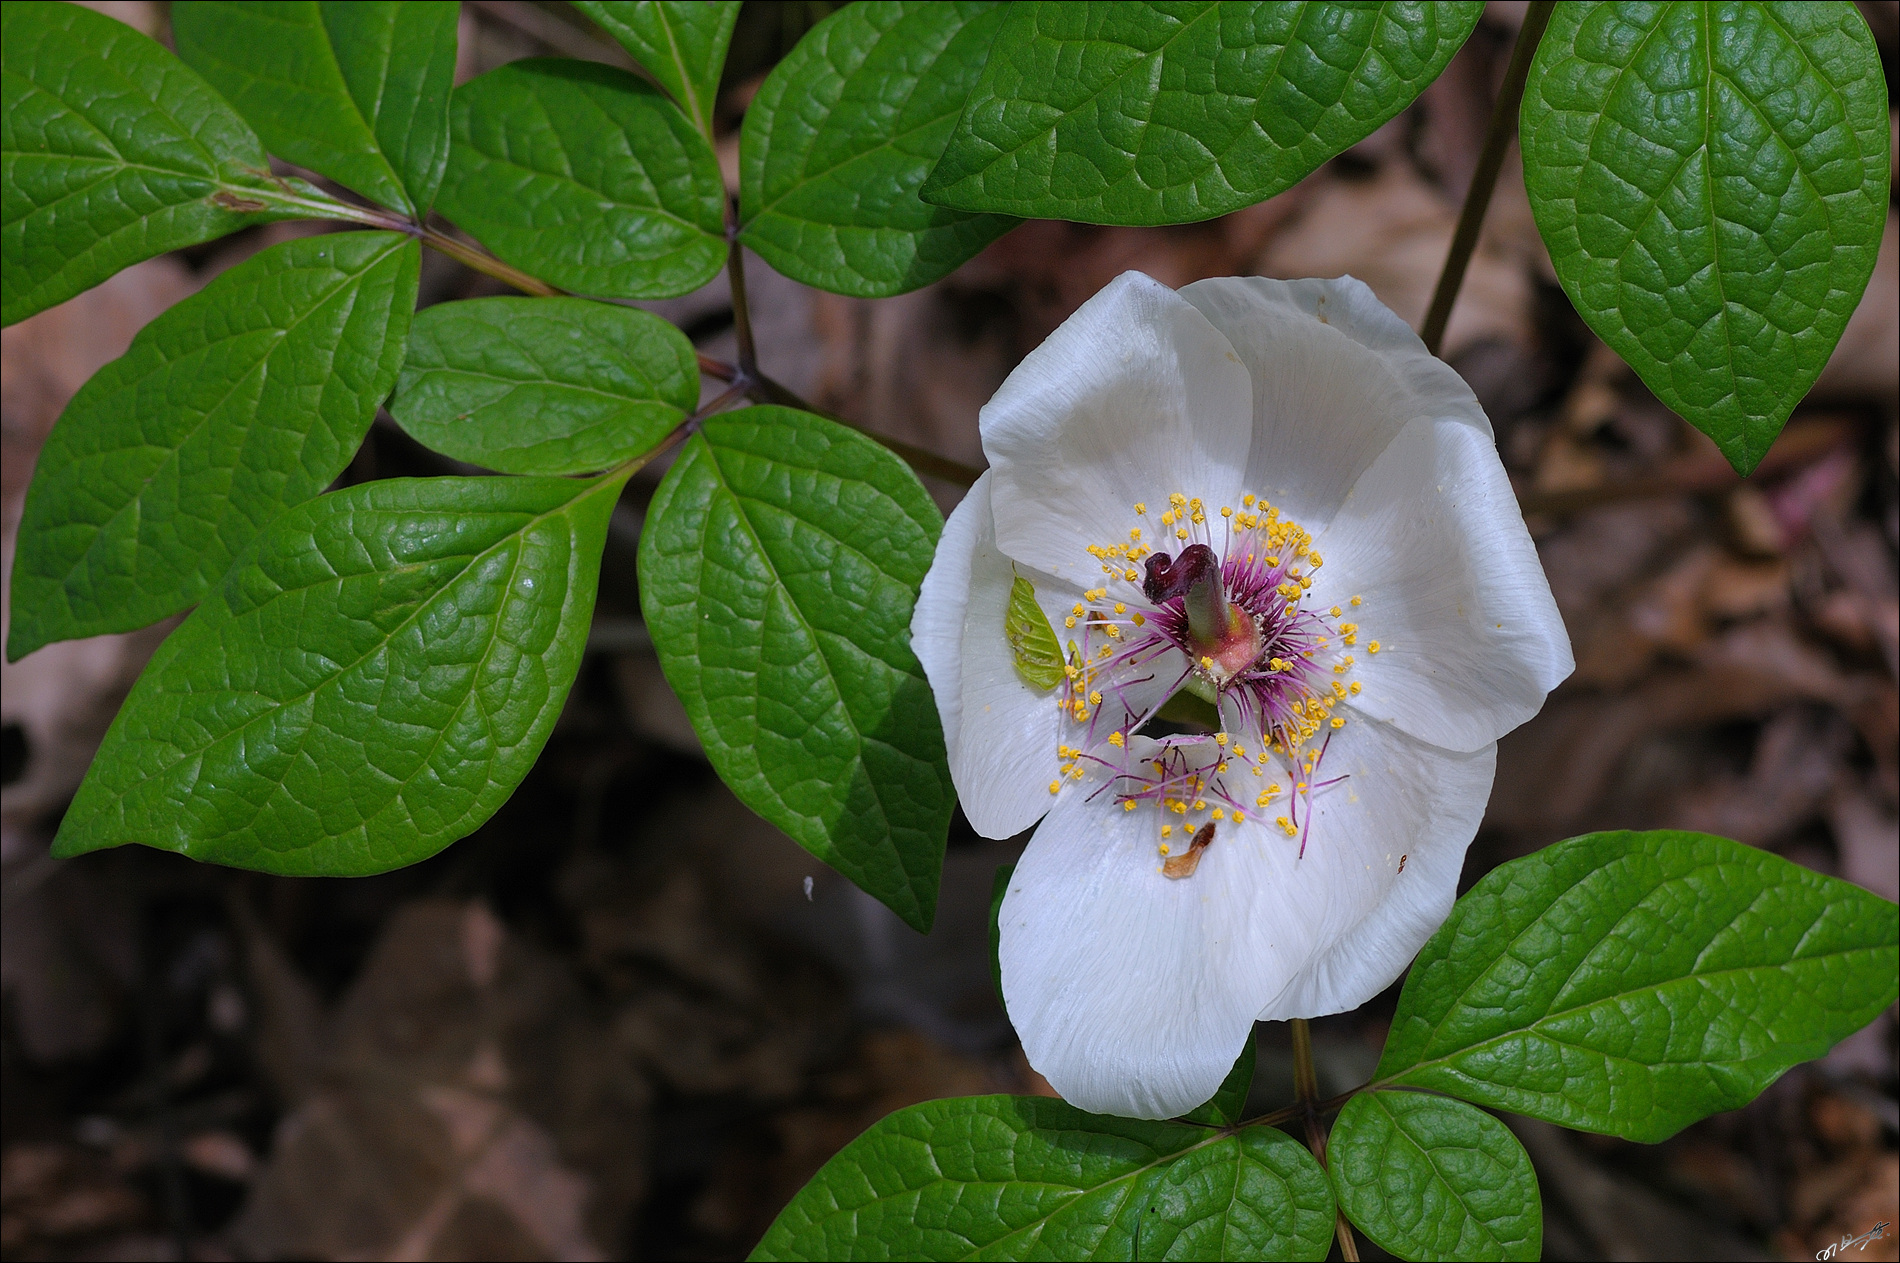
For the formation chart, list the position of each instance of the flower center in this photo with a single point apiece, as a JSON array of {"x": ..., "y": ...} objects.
[
  {"x": 1220, "y": 632},
  {"x": 1234, "y": 601}
]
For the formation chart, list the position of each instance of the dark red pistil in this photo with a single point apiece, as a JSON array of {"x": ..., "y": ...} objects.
[{"x": 1217, "y": 628}]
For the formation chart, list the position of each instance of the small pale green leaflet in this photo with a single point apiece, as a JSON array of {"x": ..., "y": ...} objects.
[{"x": 1031, "y": 640}]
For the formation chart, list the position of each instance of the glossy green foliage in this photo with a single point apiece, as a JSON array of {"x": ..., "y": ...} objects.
[
  {"x": 1226, "y": 1106},
  {"x": 1169, "y": 112},
  {"x": 1431, "y": 1178},
  {"x": 1257, "y": 1194},
  {"x": 543, "y": 385},
  {"x": 779, "y": 564},
  {"x": 111, "y": 151},
  {"x": 1632, "y": 983},
  {"x": 587, "y": 177},
  {"x": 357, "y": 91},
  {"x": 1032, "y": 641},
  {"x": 1711, "y": 180},
  {"x": 1022, "y": 1177},
  {"x": 244, "y": 399},
  {"x": 841, "y": 136},
  {"x": 369, "y": 682},
  {"x": 681, "y": 43}
]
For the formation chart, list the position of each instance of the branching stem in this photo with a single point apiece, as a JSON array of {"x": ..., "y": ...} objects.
[
  {"x": 1491, "y": 161},
  {"x": 741, "y": 313},
  {"x": 483, "y": 262},
  {"x": 1306, "y": 1088},
  {"x": 724, "y": 399},
  {"x": 744, "y": 378}
]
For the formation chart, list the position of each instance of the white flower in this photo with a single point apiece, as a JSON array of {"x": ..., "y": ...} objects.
[{"x": 1266, "y": 492}]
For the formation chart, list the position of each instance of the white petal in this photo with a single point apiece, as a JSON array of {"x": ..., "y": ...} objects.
[
  {"x": 1336, "y": 375},
  {"x": 1403, "y": 800},
  {"x": 1470, "y": 640},
  {"x": 1134, "y": 992},
  {"x": 1134, "y": 397},
  {"x": 999, "y": 730}
]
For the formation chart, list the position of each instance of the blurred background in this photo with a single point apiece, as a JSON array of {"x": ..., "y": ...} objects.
[{"x": 613, "y": 1023}]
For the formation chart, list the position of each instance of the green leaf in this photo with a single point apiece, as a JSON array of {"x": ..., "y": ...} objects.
[
  {"x": 244, "y": 399},
  {"x": 358, "y": 91},
  {"x": 112, "y": 151},
  {"x": 368, "y": 683},
  {"x": 1431, "y": 1178},
  {"x": 842, "y": 134},
  {"x": 543, "y": 385},
  {"x": 1226, "y": 1106},
  {"x": 778, "y": 567},
  {"x": 1167, "y": 113},
  {"x": 1711, "y": 180},
  {"x": 1632, "y": 983},
  {"x": 994, "y": 1177},
  {"x": 1022, "y": 1177},
  {"x": 1032, "y": 641},
  {"x": 586, "y": 177},
  {"x": 682, "y": 43},
  {"x": 1257, "y": 1194}
]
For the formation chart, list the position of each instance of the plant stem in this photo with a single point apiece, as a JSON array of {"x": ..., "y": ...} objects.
[
  {"x": 1306, "y": 1088},
  {"x": 741, "y": 314},
  {"x": 484, "y": 262},
  {"x": 1485, "y": 178},
  {"x": 1305, "y": 1078},
  {"x": 730, "y": 395},
  {"x": 744, "y": 376}
]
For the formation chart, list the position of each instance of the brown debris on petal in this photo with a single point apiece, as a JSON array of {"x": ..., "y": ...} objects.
[{"x": 1184, "y": 864}]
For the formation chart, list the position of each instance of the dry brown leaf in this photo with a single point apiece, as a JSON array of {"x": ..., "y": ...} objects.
[
  {"x": 469, "y": 1104},
  {"x": 1867, "y": 835},
  {"x": 1392, "y": 232}
]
